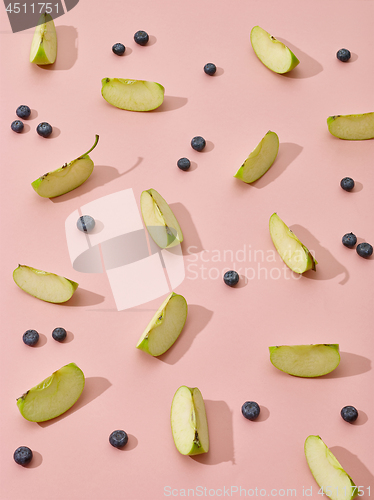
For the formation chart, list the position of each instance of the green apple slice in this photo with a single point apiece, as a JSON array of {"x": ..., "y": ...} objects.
[
  {"x": 294, "y": 254},
  {"x": 271, "y": 52},
  {"x": 165, "y": 326},
  {"x": 133, "y": 95},
  {"x": 44, "y": 43},
  {"x": 305, "y": 360},
  {"x": 330, "y": 476},
  {"x": 189, "y": 424},
  {"x": 352, "y": 127},
  {"x": 160, "y": 220},
  {"x": 260, "y": 160},
  {"x": 43, "y": 285},
  {"x": 54, "y": 396},
  {"x": 66, "y": 178}
]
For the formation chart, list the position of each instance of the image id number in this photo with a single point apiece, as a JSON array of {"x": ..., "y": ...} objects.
[{"x": 24, "y": 8}]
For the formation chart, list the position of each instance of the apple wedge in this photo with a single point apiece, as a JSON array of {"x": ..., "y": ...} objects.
[
  {"x": 160, "y": 220},
  {"x": 330, "y": 476},
  {"x": 294, "y": 254},
  {"x": 305, "y": 360},
  {"x": 260, "y": 160},
  {"x": 43, "y": 285},
  {"x": 189, "y": 424},
  {"x": 132, "y": 95},
  {"x": 54, "y": 396},
  {"x": 352, "y": 127},
  {"x": 66, "y": 178},
  {"x": 165, "y": 326},
  {"x": 271, "y": 52},
  {"x": 44, "y": 43}
]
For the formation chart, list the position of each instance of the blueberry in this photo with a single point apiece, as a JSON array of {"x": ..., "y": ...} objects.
[
  {"x": 198, "y": 143},
  {"x": 44, "y": 129},
  {"x": 59, "y": 334},
  {"x": 22, "y": 455},
  {"x": 141, "y": 37},
  {"x": 118, "y": 439},
  {"x": 364, "y": 250},
  {"x": 347, "y": 184},
  {"x": 30, "y": 337},
  {"x": 349, "y": 413},
  {"x": 118, "y": 49},
  {"x": 349, "y": 240},
  {"x": 86, "y": 223},
  {"x": 210, "y": 69},
  {"x": 343, "y": 55},
  {"x": 250, "y": 410},
  {"x": 17, "y": 126},
  {"x": 231, "y": 278},
  {"x": 23, "y": 111},
  {"x": 184, "y": 163}
]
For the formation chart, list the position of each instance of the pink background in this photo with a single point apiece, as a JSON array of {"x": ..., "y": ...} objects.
[{"x": 223, "y": 349}]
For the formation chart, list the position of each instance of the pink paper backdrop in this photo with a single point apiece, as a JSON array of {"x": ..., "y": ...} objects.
[{"x": 223, "y": 349}]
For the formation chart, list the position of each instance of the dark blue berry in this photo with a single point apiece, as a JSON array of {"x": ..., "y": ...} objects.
[
  {"x": 364, "y": 250},
  {"x": 59, "y": 334},
  {"x": 250, "y": 410},
  {"x": 198, "y": 143},
  {"x": 349, "y": 413},
  {"x": 118, "y": 439},
  {"x": 141, "y": 37},
  {"x": 184, "y": 163},
  {"x": 210, "y": 69},
  {"x": 44, "y": 129},
  {"x": 231, "y": 278},
  {"x": 349, "y": 240},
  {"x": 343, "y": 55},
  {"x": 347, "y": 184},
  {"x": 30, "y": 337},
  {"x": 85, "y": 223},
  {"x": 23, "y": 111},
  {"x": 118, "y": 49},
  {"x": 22, "y": 455},
  {"x": 17, "y": 126}
]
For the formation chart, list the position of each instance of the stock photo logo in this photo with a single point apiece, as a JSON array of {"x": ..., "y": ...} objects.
[
  {"x": 137, "y": 269},
  {"x": 27, "y": 13},
  {"x": 250, "y": 263}
]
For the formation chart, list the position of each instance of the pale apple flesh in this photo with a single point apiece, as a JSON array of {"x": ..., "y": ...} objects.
[
  {"x": 189, "y": 423},
  {"x": 44, "y": 285},
  {"x": 260, "y": 160},
  {"x": 271, "y": 52},
  {"x": 132, "y": 95},
  {"x": 352, "y": 127},
  {"x": 159, "y": 220},
  {"x": 327, "y": 471},
  {"x": 66, "y": 178},
  {"x": 165, "y": 326},
  {"x": 54, "y": 396},
  {"x": 44, "y": 43},
  {"x": 305, "y": 360},
  {"x": 293, "y": 253}
]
